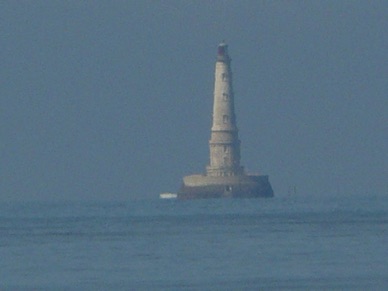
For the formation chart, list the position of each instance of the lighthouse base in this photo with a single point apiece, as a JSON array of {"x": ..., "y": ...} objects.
[{"x": 242, "y": 186}]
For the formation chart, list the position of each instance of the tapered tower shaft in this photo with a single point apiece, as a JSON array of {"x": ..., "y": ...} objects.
[{"x": 224, "y": 143}]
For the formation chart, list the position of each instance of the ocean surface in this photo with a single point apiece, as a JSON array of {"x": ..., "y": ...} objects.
[{"x": 228, "y": 244}]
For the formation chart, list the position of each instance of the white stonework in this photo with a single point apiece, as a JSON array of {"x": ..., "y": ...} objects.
[
  {"x": 224, "y": 177},
  {"x": 201, "y": 180},
  {"x": 224, "y": 143}
]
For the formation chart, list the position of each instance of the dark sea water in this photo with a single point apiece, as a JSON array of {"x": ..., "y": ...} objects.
[{"x": 247, "y": 244}]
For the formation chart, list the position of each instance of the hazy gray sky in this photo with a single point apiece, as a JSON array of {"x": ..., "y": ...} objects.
[{"x": 113, "y": 99}]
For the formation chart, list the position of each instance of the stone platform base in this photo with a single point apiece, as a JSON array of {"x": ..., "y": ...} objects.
[{"x": 244, "y": 186}]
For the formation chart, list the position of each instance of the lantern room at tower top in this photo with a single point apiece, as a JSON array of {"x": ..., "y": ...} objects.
[{"x": 222, "y": 52}]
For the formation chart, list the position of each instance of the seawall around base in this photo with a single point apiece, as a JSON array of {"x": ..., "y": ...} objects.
[{"x": 244, "y": 186}]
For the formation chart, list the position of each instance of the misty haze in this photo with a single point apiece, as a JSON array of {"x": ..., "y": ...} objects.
[{"x": 107, "y": 104}]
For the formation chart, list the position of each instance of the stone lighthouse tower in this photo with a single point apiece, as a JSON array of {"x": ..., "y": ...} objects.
[
  {"x": 224, "y": 175},
  {"x": 224, "y": 143}
]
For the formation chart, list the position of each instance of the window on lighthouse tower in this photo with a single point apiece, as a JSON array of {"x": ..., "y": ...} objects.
[{"x": 225, "y": 118}]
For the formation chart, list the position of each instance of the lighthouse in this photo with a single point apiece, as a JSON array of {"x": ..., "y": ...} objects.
[
  {"x": 224, "y": 176},
  {"x": 224, "y": 143}
]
